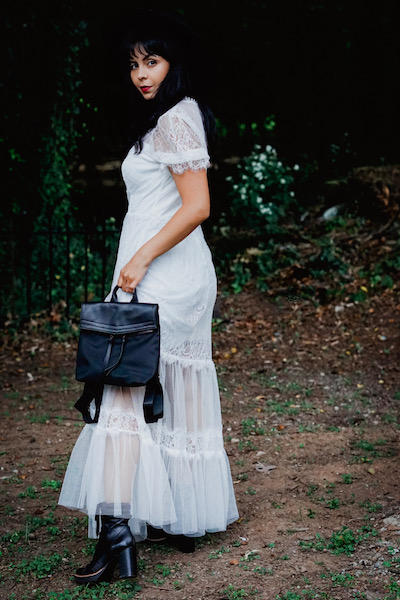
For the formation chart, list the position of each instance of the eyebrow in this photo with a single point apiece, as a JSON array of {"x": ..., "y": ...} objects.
[{"x": 134, "y": 57}]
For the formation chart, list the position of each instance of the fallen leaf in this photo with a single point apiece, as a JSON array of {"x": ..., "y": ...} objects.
[
  {"x": 234, "y": 561},
  {"x": 264, "y": 468}
]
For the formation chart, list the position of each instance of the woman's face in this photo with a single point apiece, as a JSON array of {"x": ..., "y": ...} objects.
[{"x": 148, "y": 71}]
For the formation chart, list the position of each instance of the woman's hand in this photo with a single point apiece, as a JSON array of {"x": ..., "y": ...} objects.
[{"x": 133, "y": 272}]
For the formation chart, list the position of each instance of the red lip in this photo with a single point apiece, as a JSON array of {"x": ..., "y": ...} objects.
[{"x": 145, "y": 88}]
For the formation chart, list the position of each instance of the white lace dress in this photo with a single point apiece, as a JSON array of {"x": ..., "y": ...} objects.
[{"x": 174, "y": 473}]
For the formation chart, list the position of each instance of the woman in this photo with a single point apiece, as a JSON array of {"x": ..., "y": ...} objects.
[{"x": 170, "y": 478}]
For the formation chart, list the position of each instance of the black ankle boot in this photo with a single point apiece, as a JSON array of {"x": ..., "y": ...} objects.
[
  {"x": 116, "y": 543},
  {"x": 184, "y": 543}
]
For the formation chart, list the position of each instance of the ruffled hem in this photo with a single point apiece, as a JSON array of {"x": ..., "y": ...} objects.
[{"x": 173, "y": 474}]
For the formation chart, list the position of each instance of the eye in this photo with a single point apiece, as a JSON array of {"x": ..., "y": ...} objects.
[
  {"x": 152, "y": 62},
  {"x": 133, "y": 66}
]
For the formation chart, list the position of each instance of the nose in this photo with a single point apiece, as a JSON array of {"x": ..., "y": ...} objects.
[{"x": 142, "y": 72}]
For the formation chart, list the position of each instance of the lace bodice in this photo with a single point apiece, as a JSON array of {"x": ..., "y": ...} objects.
[{"x": 177, "y": 143}]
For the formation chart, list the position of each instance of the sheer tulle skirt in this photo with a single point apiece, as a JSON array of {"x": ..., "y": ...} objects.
[{"x": 172, "y": 474}]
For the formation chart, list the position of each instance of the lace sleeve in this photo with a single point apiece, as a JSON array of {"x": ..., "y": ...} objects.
[{"x": 179, "y": 140}]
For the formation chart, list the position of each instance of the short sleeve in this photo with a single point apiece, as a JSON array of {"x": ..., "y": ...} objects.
[{"x": 179, "y": 139}]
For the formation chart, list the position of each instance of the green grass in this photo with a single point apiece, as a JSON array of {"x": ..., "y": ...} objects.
[
  {"x": 51, "y": 484},
  {"x": 40, "y": 566},
  {"x": 252, "y": 426},
  {"x": 369, "y": 450},
  {"x": 339, "y": 579},
  {"x": 232, "y": 593},
  {"x": 343, "y": 541},
  {"x": 30, "y": 492},
  {"x": 219, "y": 553},
  {"x": 372, "y": 507}
]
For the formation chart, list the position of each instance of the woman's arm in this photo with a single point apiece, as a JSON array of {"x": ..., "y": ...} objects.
[{"x": 193, "y": 189}]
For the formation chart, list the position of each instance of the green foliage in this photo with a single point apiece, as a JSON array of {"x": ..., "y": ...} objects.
[
  {"x": 394, "y": 590},
  {"x": 347, "y": 478},
  {"x": 369, "y": 450},
  {"x": 51, "y": 484},
  {"x": 232, "y": 593},
  {"x": 30, "y": 492},
  {"x": 261, "y": 196},
  {"x": 262, "y": 190},
  {"x": 343, "y": 541},
  {"x": 41, "y": 195},
  {"x": 251, "y": 426},
  {"x": 40, "y": 566},
  {"x": 290, "y": 596},
  {"x": 219, "y": 553}
]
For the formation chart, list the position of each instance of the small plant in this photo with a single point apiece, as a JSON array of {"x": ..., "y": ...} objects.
[
  {"x": 40, "y": 566},
  {"x": 248, "y": 558},
  {"x": 51, "y": 484},
  {"x": 394, "y": 590},
  {"x": 251, "y": 426},
  {"x": 332, "y": 503},
  {"x": 262, "y": 571},
  {"x": 30, "y": 492},
  {"x": 347, "y": 478},
  {"x": 372, "y": 507},
  {"x": 232, "y": 593},
  {"x": 370, "y": 450},
  {"x": 290, "y": 596},
  {"x": 219, "y": 553},
  {"x": 344, "y": 579},
  {"x": 340, "y": 542},
  {"x": 163, "y": 571},
  {"x": 311, "y": 489},
  {"x": 177, "y": 585},
  {"x": 248, "y": 445}
]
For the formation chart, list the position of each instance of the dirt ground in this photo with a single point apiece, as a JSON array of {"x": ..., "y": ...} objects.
[{"x": 311, "y": 412}]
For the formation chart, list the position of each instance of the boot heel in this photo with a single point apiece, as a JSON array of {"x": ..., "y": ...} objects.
[{"x": 127, "y": 563}]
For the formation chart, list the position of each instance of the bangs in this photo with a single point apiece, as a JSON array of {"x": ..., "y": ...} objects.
[{"x": 151, "y": 46}]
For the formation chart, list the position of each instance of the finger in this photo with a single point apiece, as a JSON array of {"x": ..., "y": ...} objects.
[{"x": 128, "y": 287}]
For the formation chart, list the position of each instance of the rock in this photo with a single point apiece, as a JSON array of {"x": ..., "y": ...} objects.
[
  {"x": 392, "y": 522},
  {"x": 371, "y": 595}
]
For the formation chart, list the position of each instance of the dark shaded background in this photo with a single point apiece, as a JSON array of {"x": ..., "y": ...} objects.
[{"x": 326, "y": 72}]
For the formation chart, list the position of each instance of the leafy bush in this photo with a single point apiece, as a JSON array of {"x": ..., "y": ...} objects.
[
  {"x": 262, "y": 194},
  {"x": 263, "y": 190}
]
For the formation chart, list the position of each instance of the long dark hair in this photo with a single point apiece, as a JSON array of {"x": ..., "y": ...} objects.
[{"x": 157, "y": 32}]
